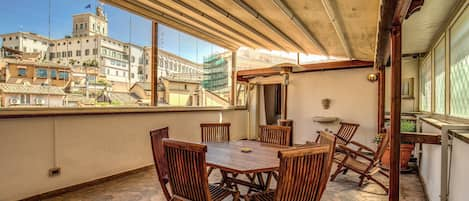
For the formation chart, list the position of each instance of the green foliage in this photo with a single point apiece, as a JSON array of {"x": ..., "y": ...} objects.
[{"x": 408, "y": 126}]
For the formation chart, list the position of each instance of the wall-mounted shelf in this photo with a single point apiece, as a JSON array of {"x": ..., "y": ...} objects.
[{"x": 325, "y": 120}]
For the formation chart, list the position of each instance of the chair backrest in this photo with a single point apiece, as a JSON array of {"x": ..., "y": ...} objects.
[
  {"x": 331, "y": 140},
  {"x": 303, "y": 173},
  {"x": 187, "y": 170},
  {"x": 383, "y": 144},
  {"x": 275, "y": 134},
  {"x": 156, "y": 137},
  {"x": 215, "y": 132},
  {"x": 346, "y": 132}
]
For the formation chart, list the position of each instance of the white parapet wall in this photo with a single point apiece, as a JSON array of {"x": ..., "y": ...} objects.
[
  {"x": 90, "y": 147},
  {"x": 430, "y": 169}
]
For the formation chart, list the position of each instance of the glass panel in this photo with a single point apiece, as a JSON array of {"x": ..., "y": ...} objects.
[
  {"x": 460, "y": 66},
  {"x": 84, "y": 50},
  {"x": 440, "y": 77},
  {"x": 426, "y": 85},
  {"x": 191, "y": 71}
]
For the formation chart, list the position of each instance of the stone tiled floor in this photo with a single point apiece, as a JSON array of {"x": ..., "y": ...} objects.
[{"x": 143, "y": 186}]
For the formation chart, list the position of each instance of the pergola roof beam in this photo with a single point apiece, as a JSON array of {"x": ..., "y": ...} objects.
[
  {"x": 218, "y": 22},
  {"x": 300, "y": 25},
  {"x": 269, "y": 24},
  {"x": 156, "y": 15},
  {"x": 238, "y": 21},
  {"x": 199, "y": 22},
  {"x": 331, "y": 12}
]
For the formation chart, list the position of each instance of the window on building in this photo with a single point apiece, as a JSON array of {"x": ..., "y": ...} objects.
[
  {"x": 25, "y": 99},
  {"x": 41, "y": 73},
  {"x": 95, "y": 51},
  {"x": 22, "y": 72},
  {"x": 53, "y": 74},
  {"x": 69, "y": 54},
  {"x": 87, "y": 52},
  {"x": 459, "y": 66},
  {"x": 78, "y": 53},
  {"x": 63, "y": 75},
  {"x": 81, "y": 26}
]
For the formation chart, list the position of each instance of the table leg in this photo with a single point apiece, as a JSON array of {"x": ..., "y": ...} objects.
[{"x": 260, "y": 179}]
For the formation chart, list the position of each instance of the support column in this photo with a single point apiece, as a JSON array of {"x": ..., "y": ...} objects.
[
  {"x": 381, "y": 97},
  {"x": 234, "y": 80},
  {"x": 283, "y": 111},
  {"x": 395, "y": 112},
  {"x": 154, "y": 64}
]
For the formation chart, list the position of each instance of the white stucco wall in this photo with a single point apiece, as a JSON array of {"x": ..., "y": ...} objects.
[
  {"x": 353, "y": 99},
  {"x": 89, "y": 147},
  {"x": 410, "y": 68}
]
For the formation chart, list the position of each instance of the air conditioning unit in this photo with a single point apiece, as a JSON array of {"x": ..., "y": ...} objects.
[
  {"x": 14, "y": 101},
  {"x": 40, "y": 101}
]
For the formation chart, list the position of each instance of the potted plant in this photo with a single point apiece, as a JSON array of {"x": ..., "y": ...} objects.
[{"x": 406, "y": 147}]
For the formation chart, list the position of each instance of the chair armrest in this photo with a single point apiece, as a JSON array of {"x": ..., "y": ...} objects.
[
  {"x": 361, "y": 146},
  {"x": 352, "y": 153}
]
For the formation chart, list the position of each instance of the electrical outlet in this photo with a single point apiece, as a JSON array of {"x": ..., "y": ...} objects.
[{"x": 53, "y": 172}]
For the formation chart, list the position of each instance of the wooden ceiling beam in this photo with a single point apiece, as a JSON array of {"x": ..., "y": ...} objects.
[
  {"x": 241, "y": 23},
  {"x": 391, "y": 12},
  {"x": 218, "y": 22},
  {"x": 269, "y": 24},
  {"x": 153, "y": 14},
  {"x": 285, "y": 9},
  {"x": 334, "y": 65},
  {"x": 332, "y": 14},
  {"x": 179, "y": 13}
]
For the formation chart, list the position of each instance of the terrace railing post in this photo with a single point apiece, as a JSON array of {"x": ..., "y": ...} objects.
[{"x": 395, "y": 111}]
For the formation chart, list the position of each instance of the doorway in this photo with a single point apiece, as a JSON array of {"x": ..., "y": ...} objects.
[{"x": 273, "y": 103}]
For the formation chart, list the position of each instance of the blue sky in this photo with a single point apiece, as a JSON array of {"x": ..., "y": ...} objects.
[{"x": 33, "y": 16}]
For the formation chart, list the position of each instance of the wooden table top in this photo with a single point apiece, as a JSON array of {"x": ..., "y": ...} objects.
[{"x": 228, "y": 156}]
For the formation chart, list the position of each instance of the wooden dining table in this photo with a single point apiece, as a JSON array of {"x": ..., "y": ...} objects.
[{"x": 228, "y": 157}]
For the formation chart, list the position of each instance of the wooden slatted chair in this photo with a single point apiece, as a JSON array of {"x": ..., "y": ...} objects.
[
  {"x": 215, "y": 132},
  {"x": 275, "y": 134},
  {"x": 303, "y": 175},
  {"x": 364, "y": 165},
  {"x": 345, "y": 133},
  {"x": 161, "y": 166},
  {"x": 187, "y": 173}
]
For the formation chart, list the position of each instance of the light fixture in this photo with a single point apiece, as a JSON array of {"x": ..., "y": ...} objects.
[{"x": 372, "y": 77}]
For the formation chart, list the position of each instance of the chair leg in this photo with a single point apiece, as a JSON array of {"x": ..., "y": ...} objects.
[
  {"x": 236, "y": 196},
  {"x": 165, "y": 191},
  {"x": 345, "y": 171},
  {"x": 362, "y": 178},
  {"x": 210, "y": 169},
  {"x": 379, "y": 183},
  {"x": 337, "y": 172}
]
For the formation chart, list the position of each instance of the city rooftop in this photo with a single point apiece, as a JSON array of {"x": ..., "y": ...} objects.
[{"x": 234, "y": 100}]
